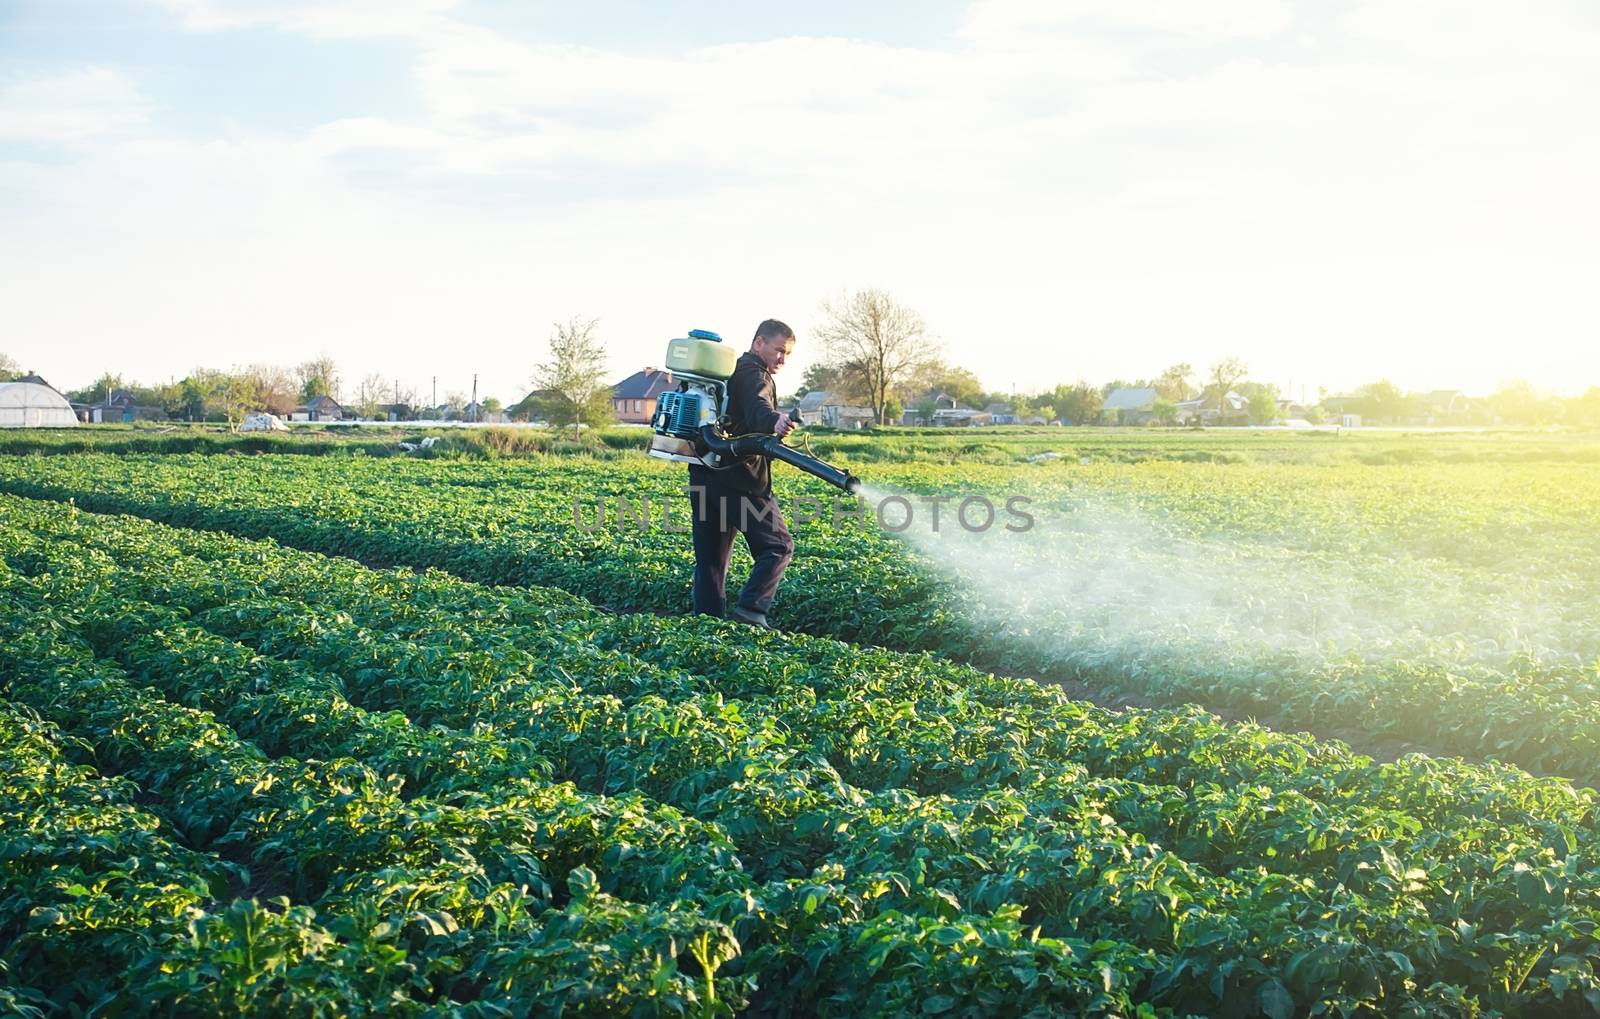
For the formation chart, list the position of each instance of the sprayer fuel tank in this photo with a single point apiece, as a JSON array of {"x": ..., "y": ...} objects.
[{"x": 701, "y": 353}]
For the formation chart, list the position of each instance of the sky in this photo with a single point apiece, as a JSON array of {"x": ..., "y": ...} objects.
[{"x": 1334, "y": 191}]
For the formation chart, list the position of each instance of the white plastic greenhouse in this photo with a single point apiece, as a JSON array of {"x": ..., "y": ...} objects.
[{"x": 27, "y": 405}]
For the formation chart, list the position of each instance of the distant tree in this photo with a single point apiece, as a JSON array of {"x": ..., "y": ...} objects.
[
  {"x": 276, "y": 388},
  {"x": 10, "y": 371},
  {"x": 893, "y": 410},
  {"x": 1260, "y": 401},
  {"x": 237, "y": 394},
  {"x": 318, "y": 377},
  {"x": 98, "y": 390},
  {"x": 936, "y": 377},
  {"x": 457, "y": 402},
  {"x": 1165, "y": 411},
  {"x": 879, "y": 344},
  {"x": 1079, "y": 403},
  {"x": 1173, "y": 384},
  {"x": 196, "y": 394},
  {"x": 168, "y": 396},
  {"x": 1585, "y": 410},
  {"x": 1116, "y": 384},
  {"x": 819, "y": 376},
  {"x": 1314, "y": 415},
  {"x": 492, "y": 405},
  {"x": 1384, "y": 401},
  {"x": 843, "y": 382},
  {"x": 1225, "y": 374},
  {"x": 572, "y": 381},
  {"x": 1045, "y": 410},
  {"x": 370, "y": 397},
  {"x": 1263, "y": 407},
  {"x": 1519, "y": 403}
]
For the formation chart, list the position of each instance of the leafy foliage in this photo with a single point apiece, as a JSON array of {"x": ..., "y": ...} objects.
[
  {"x": 365, "y": 792},
  {"x": 1411, "y": 589}
]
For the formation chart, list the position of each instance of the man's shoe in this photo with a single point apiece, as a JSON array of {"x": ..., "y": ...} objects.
[{"x": 744, "y": 615}]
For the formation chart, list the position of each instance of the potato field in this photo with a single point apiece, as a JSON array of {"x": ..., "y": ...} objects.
[{"x": 353, "y": 734}]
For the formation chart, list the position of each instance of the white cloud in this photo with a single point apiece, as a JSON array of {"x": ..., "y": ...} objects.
[
  {"x": 318, "y": 18},
  {"x": 1092, "y": 189},
  {"x": 1478, "y": 30},
  {"x": 370, "y": 134},
  {"x": 70, "y": 106},
  {"x": 1029, "y": 22}
]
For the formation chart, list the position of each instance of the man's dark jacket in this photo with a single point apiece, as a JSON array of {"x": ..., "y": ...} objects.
[{"x": 752, "y": 407}]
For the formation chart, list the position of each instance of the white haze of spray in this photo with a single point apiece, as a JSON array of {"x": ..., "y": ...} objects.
[{"x": 1096, "y": 581}]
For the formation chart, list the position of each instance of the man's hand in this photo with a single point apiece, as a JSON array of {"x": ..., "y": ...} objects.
[{"x": 784, "y": 426}]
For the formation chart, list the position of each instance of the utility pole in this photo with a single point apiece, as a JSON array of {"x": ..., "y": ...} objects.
[
  {"x": 474, "y": 397},
  {"x": 435, "y": 404}
]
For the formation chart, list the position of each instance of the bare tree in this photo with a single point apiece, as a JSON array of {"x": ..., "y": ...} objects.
[
  {"x": 404, "y": 396},
  {"x": 318, "y": 377},
  {"x": 1173, "y": 385},
  {"x": 878, "y": 344},
  {"x": 373, "y": 389},
  {"x": 275, "y": 387},
  {"x": 1225, "y": 374},
  {"x": 571, "y": 384}
]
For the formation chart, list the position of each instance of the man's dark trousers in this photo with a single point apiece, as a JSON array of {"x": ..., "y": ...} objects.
[{"x": 718, "y": 515}]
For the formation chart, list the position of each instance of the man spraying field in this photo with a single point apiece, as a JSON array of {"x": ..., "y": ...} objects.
[
  {"x": 739, "y": 497},
  {"x": 723, "y": 421}
]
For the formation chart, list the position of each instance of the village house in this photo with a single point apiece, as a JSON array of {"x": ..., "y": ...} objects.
[
  {"x": 119, "y": 406},
  {"x": 477, "y": 414},
  {"x": 1445, "y": 406},
  {"x": 922, "y": 409},
  {"x": 961, "y": 417},
  {"x": 820, "y": 407},
  {"x": 1202, "y": 410},
  {"x": 633, "y": 400},
  {"x": 318, "y": 408},
  {"x": 1000, "y": 414},
  {"x": 1130, "y": 405}
]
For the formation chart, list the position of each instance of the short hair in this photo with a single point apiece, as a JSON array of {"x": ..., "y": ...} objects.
[{"x": 771, "y": 328}]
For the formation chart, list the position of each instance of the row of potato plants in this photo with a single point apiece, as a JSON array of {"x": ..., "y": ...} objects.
[
  {"x": 438, "y": 899},
  {"x": 1443, "y": 540},
  {"x": 940, "y": 946},
  {"x": 1254, "y": 816}
]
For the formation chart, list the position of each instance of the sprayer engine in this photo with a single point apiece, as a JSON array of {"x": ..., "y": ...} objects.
[{"x": 689, "y": 422}]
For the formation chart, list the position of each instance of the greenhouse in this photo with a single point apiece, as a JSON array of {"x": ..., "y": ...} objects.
[{"x": 29, "y": 405}]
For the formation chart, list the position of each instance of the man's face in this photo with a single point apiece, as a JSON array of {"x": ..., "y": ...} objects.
[{"x": 773, "y": 351}]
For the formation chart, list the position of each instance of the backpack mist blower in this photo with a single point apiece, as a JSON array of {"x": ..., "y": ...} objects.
[{"x": 690, "y": 422}]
